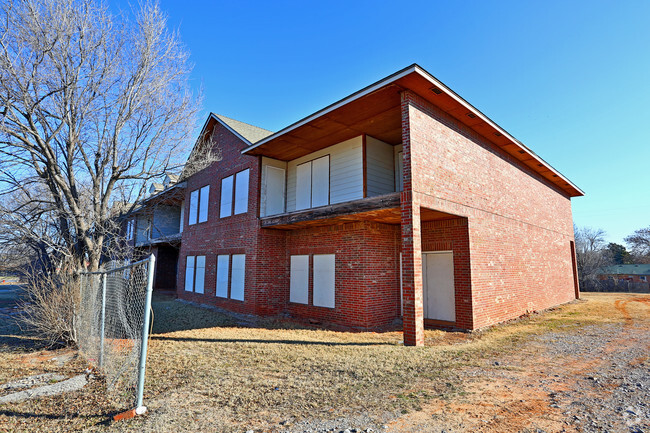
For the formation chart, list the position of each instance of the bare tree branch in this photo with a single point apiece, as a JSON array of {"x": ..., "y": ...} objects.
[{"x": 92, "y": 107}]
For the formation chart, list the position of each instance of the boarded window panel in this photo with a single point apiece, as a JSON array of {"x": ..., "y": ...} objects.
[
  {"x": 299, "y": 282},
  {"x": 199, "y": 280},
  {"x": 189, "y": 274},
  {"x": 223, "y": 265},
  {"x": 226, "y": 197},
  {"x": 194, "y": 206},
  {"x": 238, "y": 276},
  {"x": 203, "y": 205},
  {"x": 320, "y": 186},
  {"x": 241, "y": 192},
  {"x": 303, "y": 186},
  {"x": 274, "y": 190},
  {"x": 180, "y": 229},
  {"x": 324, "y": 287},
  {"x": 129, "y": 230}
]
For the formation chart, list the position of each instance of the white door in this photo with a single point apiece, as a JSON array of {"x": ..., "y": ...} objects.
[{"x": 438, "y": 282}]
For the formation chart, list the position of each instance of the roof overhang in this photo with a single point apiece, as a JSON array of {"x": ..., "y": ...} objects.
[{"x": 376, "y": 111}]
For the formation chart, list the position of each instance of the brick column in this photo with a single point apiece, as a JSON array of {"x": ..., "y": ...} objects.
[{"x": 412, "y": 296}]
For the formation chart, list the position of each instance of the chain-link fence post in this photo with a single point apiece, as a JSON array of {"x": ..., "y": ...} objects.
[
  {"x": 145, "y": 336},
  {"x": 103, "y": 322}
]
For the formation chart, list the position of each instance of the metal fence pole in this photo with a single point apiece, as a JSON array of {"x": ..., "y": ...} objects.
[
  {"x": 103, "y": 321},
  {"x": 145, "y": 336}
]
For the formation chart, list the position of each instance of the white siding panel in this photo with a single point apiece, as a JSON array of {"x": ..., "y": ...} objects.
[
  {"x": 189, "y": 274},
  {"x": 180, "y": 229},
  {"x": 273, "y": 186},
  {"x": 238, "y": 276},
  {"x": 303, "y": 189},
  {"x": 199, "y": 282},
  {"x": 380, "y": 167},
  {"x": 320, "y": 181},
  {"x": 399, "y": 168},
  {"x": 299, "y": 281},
  {"x": 346, "y": 182},
  {"x": 223, "y": 266},
  {"x": 274, "y": 190},
  {"x": 241, "y": 192},
  {"x": 194, "y": 207},
  {"x": 346, "y": 172},
  {"x": 324, "y": 280},
  {"x": 226, "y": 196},
  {"x": 203, "y": 203}
]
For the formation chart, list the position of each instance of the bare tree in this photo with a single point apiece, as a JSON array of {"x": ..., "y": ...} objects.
[
  {"x": 590, "y": 255},
  {"x": 639, "y": 243},
  {"x": 92, "y": 106}
]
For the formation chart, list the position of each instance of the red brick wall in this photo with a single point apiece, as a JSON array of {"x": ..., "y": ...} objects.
[
  {"x": 520, "y": 226},
  {"x": 235, "y": 234},
  {"x": 367, "y": 257},
  {"x": 367, "y": 272}
]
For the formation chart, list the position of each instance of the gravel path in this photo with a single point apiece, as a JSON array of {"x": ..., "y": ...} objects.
[
  {"x": 591, "y": 379},
  {"x": 72, "y": 384}
]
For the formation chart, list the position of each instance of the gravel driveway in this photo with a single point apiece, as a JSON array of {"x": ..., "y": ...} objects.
[
  {"x": 589, "y": 379},
  {"x": 584, "y": 379}
]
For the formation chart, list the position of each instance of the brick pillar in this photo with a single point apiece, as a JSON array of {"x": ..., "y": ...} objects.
[{"x": 412, "y": 296}]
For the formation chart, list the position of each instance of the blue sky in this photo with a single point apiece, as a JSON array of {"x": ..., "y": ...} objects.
[{"x": 570, "y": 79}]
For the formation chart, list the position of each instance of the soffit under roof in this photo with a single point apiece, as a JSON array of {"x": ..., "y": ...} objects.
[{"x": 376, "y": 111}]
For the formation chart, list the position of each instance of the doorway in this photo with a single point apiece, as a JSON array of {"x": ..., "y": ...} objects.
[{"x": 438, "y": 286}]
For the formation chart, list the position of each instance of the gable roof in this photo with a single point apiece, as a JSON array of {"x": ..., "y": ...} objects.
[
  {"x": 626, "y": 269},
  {"x": 375, "y": 110},
  {"x": 252, "y": 134}
]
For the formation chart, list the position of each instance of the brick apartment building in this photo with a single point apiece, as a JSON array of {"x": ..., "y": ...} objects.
[{"x": 399, "y": 201}]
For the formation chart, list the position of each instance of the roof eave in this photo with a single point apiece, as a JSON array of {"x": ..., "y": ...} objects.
[{"x": 572, "y": 189}]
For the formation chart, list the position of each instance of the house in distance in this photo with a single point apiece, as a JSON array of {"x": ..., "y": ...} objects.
[{"x": 400, "y": 201}]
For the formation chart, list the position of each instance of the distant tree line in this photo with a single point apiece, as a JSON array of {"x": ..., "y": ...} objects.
[{"x": 593, "y": 253}]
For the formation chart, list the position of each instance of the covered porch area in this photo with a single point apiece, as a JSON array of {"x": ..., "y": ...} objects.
[{"x": 435, "y": 272}]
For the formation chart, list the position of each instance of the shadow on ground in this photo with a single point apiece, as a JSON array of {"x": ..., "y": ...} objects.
[
  {"x": 12, "y": 337},
  {"x": 249, "y": 340},
  {"x": 172, "y": 315}
]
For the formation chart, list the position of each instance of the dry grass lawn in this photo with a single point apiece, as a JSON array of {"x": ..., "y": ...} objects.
[{"x": 206, "y": 372}]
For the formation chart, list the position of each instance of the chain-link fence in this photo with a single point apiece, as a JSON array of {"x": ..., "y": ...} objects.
[
  {"x": 616, "y": 286},
  {"x": 112, "y": 326}
]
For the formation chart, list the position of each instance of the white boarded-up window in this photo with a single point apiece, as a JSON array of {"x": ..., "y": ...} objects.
[
  {"x": 324, "y": 278},
  {"x": 237, "y": 277},
  {"x": 130, "y": 226},
  {"x": 320, "y": 181},
  {"x": 199, "y": 279},
  {"x": 226, "y": 196},
  {"x": 223, "y": 265},
  {"x": 274, "y": 190},
  {"x": 180, "y": 229},
  {"x": 203, "y": 203},
  {"x": 303, "y": 186},
  {"x": 194, "y": 207},
  {"x": 189, "y": 274},
  {"x": 299, "y": 280},
  {"x": 313, "y": 183},
  {"x": 241, "y": 192}
]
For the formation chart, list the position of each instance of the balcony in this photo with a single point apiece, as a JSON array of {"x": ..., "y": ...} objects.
[{"x": 384, "y": 208}]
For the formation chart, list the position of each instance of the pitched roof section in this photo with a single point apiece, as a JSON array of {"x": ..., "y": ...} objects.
[
  {"x": 251, "y": 133},
  {"x": 627, "y": 270},
  {"x": 376, "y": 108}
]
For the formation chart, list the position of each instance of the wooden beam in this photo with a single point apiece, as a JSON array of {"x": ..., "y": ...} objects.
[{"x": 391, "y": 200}]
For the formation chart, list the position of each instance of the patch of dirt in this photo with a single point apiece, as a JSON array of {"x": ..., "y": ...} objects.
[
  {"x": 582, "y": 367},
  {"x": 591, "y": 379}
]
